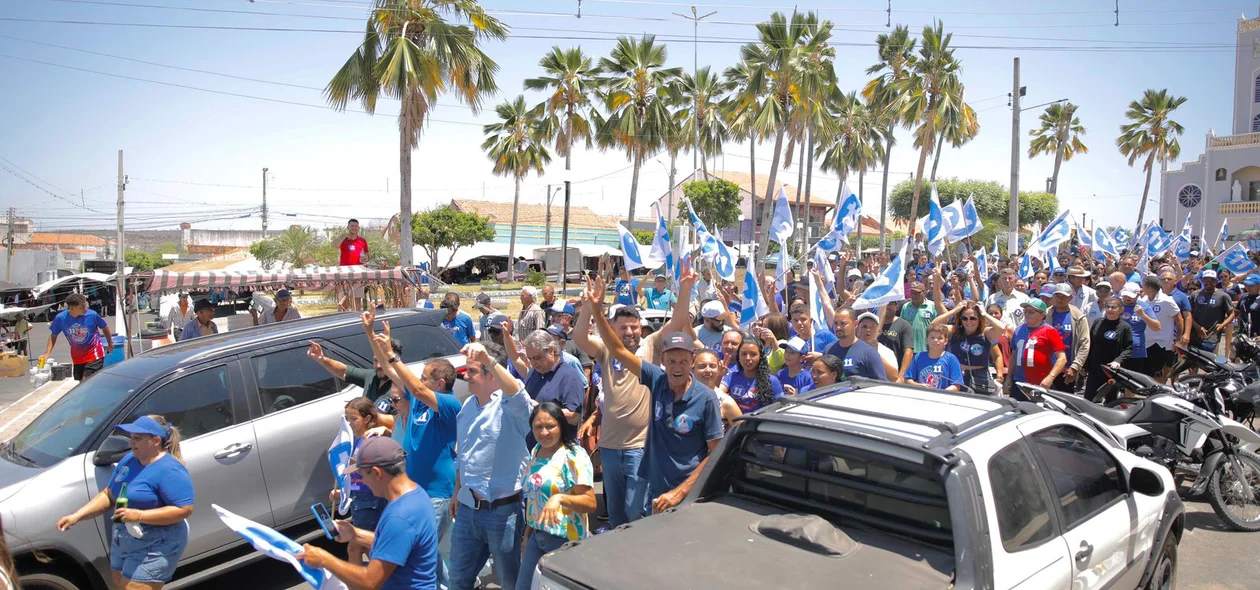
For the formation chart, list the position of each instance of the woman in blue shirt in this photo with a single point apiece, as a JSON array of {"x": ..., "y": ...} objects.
[
  {"x": 150, "y": 535},
  {"x": 750, "y": 382},
  {"x": 974, "y": 342}
]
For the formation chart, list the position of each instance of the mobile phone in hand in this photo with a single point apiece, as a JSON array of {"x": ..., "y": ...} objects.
[{"x": 325, "y": 521}]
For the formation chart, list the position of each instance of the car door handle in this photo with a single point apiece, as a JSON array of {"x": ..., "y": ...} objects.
[
  {"x": 1086, "y": 551},
  {"x": 233, "y": 450}
]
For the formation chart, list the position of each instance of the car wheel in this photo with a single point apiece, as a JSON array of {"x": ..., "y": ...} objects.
[
  {"x": 1164, "y": 576},
  {"x": 47, "y": 581}
]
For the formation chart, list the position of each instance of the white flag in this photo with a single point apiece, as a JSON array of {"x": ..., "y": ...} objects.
[
  {"x": 888, "y": 287},
  {"x": 339, "y": 459},
  {"x": 277, "y": 546}
]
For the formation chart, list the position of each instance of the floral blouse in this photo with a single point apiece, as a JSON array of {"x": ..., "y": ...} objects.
[{"x": 568, "y": 467}]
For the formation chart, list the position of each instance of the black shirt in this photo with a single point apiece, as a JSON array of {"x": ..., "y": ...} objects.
[
  {"x": 898, "y": 336},
  {"x": 1249, "y": 307},
  {"x": 1208, "y": 310},
  {"x": 1109, "y": 340}
]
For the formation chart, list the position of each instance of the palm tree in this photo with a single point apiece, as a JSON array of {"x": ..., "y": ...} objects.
[
  {"x": 515, "y": 145},
  {"x": 700, "y": 100},
  {"x": 774, "y": 63},
  {"x": 739, "y": 112},
  {"x": 636, "y": 97},
  {"x": 817, "y": 81},
  {"x": 959, "y": 125},
  {"x": 1060, "y": 134},
  {"x": 895, "y": 50},
  {"x": 1152, "y": 134},
  {"x": 413, "y": 52},
  {"x": 852, "y": 146},
  {"x": 928, "y": 93}
]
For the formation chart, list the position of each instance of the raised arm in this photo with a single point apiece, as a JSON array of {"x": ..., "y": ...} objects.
[
  {"x": 335, "y": 368},
  {"x": 680, "y": 320},
  {"x": 593, "y": 347},
  {"x": 767, "y": 292},
  {"x": 593, "y": 299},
  {"x": 829, "y": 310},
  {"x": 518, "y": 360},
  {"x": 508, "y": 384},
  {"x": 396, "y": 370}
]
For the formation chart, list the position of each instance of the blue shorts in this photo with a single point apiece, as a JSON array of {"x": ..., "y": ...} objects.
[
  {"x": 151, "y": 559},
  {"x": 365, "y": 510}
]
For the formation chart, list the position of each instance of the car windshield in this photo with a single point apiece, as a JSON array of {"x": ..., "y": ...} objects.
[{"x": 61, "y": 430}]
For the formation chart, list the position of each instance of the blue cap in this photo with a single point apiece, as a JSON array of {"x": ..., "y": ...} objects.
[
  {"x": 1252, "y": 280},
  {"x": 562, "y": 307},
  {"x": 283, "y": 294},
  {"x": 557, "y": 331},
  {"x": 144, "y": 425}
]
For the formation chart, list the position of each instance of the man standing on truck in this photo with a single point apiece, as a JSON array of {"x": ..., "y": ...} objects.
[
  {"x": 81, "y": 325},
  {"x": 686, "y": 423},
  {"x": 354, "y": 252}
]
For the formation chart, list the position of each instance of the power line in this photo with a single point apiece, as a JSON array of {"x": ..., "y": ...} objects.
[
  {"x": 269, "y": 187},
  {"x": 48, "y": 192}
]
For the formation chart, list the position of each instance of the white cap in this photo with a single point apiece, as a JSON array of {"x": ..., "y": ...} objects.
[
  {"x": 712, "y": 309},
  {"x": 1207, "y": 274},
  {"x": 853, "y": 272},
  {"x": 1130, "y": 290}
]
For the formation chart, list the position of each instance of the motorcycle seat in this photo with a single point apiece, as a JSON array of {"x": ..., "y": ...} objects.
[
  {"x": 1111, "y": 416},
  {"x": 1236, "y": 367}
]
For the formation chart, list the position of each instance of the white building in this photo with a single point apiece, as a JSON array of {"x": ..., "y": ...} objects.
[{"x": 1224, "y": 183}]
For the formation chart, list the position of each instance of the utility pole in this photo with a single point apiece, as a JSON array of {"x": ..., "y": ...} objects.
[
  {"x": 695, "y": 71},
  {"x": 264, "y": 208},
  {"x": 8, "y": 245},
  {"x": 564, "y": 236},
  {"x": 1012, "y": 243},
  {"x": 120, "y": 260},
  {"x": 547, "y": 240}
]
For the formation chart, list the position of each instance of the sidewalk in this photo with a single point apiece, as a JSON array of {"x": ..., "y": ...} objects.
[{"x": 18, "y": 415}]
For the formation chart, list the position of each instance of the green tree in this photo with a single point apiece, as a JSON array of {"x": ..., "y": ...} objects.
[
  {"x": 852, "y": 144},
  {"x": 297, "y": 246},
  {"x": 883, "y": 95},
  {"x": 515, "y": 146},
  {"x": 1152, "y": 134},
  {"x": 716, "y": 203},
  {"x": 739, "y": 111},
  {"x": 139, "y": 261},
  {"x": 643, "y": 236},
  {"x": 414, "y": 51},
  {"x": 267, "y": 252},
  {"x": 1060, "y": 134},
  {"x": 958, "y": 125},
  {"x": 636, "y": 97},
  {"x": 927, "y": 95},
  {"x": 992, "y": 201},
  {"x": 816, "y": 69},
  {"x": 446, "y": 227}
]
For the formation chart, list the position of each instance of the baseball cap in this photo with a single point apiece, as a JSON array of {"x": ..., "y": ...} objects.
[
  {"x": 867, "y": 315},
  {"x": 916, "y": 286},
  {"x": 1207, "y": 274},
  {"x": 1076, "y": 271},
  {"x": 1103, "y": 285},
  {"x": 796, "y": 344},
  {"x": 1047, "y": 290},
  {"x": 1036, "y": 304},
  {"x": 183, "y": 293},
  {"x": 1059, "y": 271},
  {"x": 144, "y": 425},
  {"x": 712, "y": 309},
  {"x": 679, "y": 341},
  {"x": 376, "y": 451},
  {"x": 283, "y": 294},
  {"x": 496, "y": 321},
  {"x": 562, "y": 307},
  {"x": 853, "y": 272},
  {"x": 557, "y": 331},
  {"x": 1062, "y": 289},
  {"x": 1130, "y": 290},
  {"x": 483, "y": 299},
  {"x": 1252, "y": 280}
]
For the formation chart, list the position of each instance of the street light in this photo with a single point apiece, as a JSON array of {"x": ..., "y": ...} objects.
[
  {"x": 550, "y": 196},
  {"x": 695, "y": 70}
]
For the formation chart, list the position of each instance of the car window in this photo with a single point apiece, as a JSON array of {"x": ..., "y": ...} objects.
[
  {"x": 62, "y": 429},
  {"x": 1022, "y": 511},
  {"x": 196, "y": 404},
  {"x": 288, "y": 378},
  {"x": 419, "y": 343},
  {"x": 1083, "y": 475}
]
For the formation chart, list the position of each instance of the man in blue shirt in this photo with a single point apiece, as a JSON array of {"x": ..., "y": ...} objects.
[
  {"x": 405, "y": 543},
  {"x": 550, "y": 379},
  {"x": 491, "y": 429},
  {"x": 80, "y": 325},
  {"x": 627, "y": 289},
  {"x": 860, "y": 359},
  {"x": 458, "y": 323},
  {"x": 657, "y": 296},
  {"x": 685, "y": 425}
]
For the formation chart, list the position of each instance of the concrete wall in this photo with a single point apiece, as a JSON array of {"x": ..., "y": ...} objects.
[
  {"x": 26, "y": 264},
  {"x": 535, "y": 235},
  {"x": 218, "y": 237},
  {"x": 1247, "y": 77}
]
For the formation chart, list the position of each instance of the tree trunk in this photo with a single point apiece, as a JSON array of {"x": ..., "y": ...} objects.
[
  {"x": 918, "y": 176},
  {"x": 752, "y": 188},
  {"x": 861, "y": 199},
  {"x": 1058, "y": 161},
  {"x": 1150, "y": 167},
  {"x": 516, "y": 203},
  {"x": 936, "y": 158},
  {"x": 883, "y": 194},
  {"x": 673, "y": 174},
  {"x": 404, "y": 206},
  {"x": 800, "y": 179},
  {"x": 767, "y": 212},
  {"x": 809, "y": 181},
  {"x": 634, "y": 189}
]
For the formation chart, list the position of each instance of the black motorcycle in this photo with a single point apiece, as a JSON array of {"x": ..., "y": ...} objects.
[{"x": 1237, "y": 383}]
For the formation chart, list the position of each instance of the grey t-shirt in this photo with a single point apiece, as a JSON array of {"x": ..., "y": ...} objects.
[{"x": 711, "y": 340}]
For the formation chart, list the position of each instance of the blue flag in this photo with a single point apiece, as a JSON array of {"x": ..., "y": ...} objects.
[
  {"x": 279, "y": 547},
  {"x": 1235, "y": 260},
  {"x": 708, "y": 243},
  {"x": 1055, "y": 233},
  {"x": 1122, "y": 238},
  {"x": 934, "y": 227},
  {"x": 662, "y": 248},
  {"x": 969, "y": 223},
  {"x": 1156, "y": 239},
  {"x": 752, "y": 304},
  {"x": 629, "y": 249},
  {"x": 1025, "y": 266},
  {"x": 1222, "y": 237},
  {"x": 888, "y": 287},
  {"x": 781, "y": 225},
  {"x": 723, "y": 262},
  {"x": 1181, "y": 247},
  {"x": 816, "y": 305},
  {"x": 824, "y": 269},
  {"x": 1104, "y": 243},
  {"x": 982, "y": 269},
  {"x": 339, "y": 460},
  {"x": 849, "y": 214},
  {"x": 1186, "y": 227},
  {"x": 952, "y": 218}
]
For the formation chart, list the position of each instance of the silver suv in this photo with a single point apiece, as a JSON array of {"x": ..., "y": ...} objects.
[{"x": 257, "y": 416}]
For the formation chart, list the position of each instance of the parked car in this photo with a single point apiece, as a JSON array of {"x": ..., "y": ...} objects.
[
  {"x": 900, "y": 487},
  {"x": 257, "y": 416}
]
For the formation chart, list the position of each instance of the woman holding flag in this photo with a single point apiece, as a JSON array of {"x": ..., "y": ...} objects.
[{"x": 365, "y": 508}]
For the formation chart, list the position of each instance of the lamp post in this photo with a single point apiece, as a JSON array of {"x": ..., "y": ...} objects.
[
  {"x": 741, "y": 238},
  {"x": 564, "y": 234},
  {"x": 550, "y": 196},
  {"x": 695, "y": 70}
]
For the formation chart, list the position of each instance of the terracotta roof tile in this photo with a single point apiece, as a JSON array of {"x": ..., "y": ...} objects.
[
  {"x": 65, "y": 239},
  {"x": 501, "y": 213}
]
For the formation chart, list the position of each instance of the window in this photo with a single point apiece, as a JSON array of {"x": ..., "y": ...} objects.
[
  {"x": 1189, "y": 196},
  {"x": 1082, "y": 474},
  {"x": 1255, "y": 124},
  {"x": 1221, "y": 174},
  {"x": 196, "y": 404},
  {"x": 1257, "y": 97},
  {"x": 289, "y": 378},
  {"x": 419, "y": 343},
  {"x": 1022, "y": 512}
]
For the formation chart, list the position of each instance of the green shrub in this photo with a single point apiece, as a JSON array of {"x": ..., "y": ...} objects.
[{"x": 535, "y": 278}]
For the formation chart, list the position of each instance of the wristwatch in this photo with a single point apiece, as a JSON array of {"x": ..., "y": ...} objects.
[{"x": 394, "y": 359}]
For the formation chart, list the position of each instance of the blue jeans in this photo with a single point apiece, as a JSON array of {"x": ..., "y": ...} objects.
[
  {"x": 625, "y": 491},
  {"x": 480, "y": 534},
  {"x": 442, "y": 511},
  {"x": 539, "y": 544}
]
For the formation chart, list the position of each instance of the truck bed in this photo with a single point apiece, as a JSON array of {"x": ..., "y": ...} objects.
[{"x": 658, "y": 552}]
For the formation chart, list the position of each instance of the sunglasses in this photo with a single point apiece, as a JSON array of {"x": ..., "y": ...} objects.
[{"x": 968, "y": 318}]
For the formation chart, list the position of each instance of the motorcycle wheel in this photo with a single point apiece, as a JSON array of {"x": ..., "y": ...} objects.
[{"x": 1225, "y": 492}]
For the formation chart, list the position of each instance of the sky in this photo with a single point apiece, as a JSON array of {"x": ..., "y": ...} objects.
[{"x": 90, "y": 77}]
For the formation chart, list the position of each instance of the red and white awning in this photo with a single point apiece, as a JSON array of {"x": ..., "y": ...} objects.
[{"x": 159, "y": 281}]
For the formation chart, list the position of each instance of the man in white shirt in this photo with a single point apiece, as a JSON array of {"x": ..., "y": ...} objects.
[
  {"x": 1011, "y": 301},
  {"x": 1161, "y": 352},
  {"x": 1083, "y": 296}
]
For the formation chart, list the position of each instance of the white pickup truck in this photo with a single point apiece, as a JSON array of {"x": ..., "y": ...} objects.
[{"x": 890, "y": 486}]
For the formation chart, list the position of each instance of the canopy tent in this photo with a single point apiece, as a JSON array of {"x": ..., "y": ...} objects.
[
  {"x": 162, "y": 281},
  {"x": 78, "y": 279}
]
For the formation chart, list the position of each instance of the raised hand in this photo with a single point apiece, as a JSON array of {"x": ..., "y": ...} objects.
[
  {"x": 368, "y": 319},
  {"x": 477, "y": 353},
  {"x": 315, "y": 352}
]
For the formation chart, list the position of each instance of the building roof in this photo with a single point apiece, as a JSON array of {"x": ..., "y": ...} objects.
[
  {"x": 65, "y": 240},
  {"x": 501, "y": 213},
  {"x": 745, "y": 183}
]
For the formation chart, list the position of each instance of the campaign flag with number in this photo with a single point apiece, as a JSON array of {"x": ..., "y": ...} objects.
[
  {"x": 1186, "y": 227},
  {"x": 1121, "y": 237},
  {"x": 1103, "y": 242},
  {"x": 662, "y": 249},
  {"x": 1157, "y": 240},
  {"x": 781, "y": 224},
  {"x": 630, "y": 254},
  {"x": 888, "y": 287},
  {"x": 849, "y": 214},
  {"x": 824, "y": 269},
  {"x": 752, "y": 304},
  {"x": 724, "y": 261},
  {"x": 934, "y": 226},
  {"x": 708, "y": 243},
  {"x": 952, "y": 219},
  {"x": 1181, "y": 247},
  {"x": 971, "y": 224},
  {"x": 339, "y": 460},
  {"x": 982, "y": 268},
  {"x": 1235, "y": 260},
  {"x": 1025, "y": 266},
  {"x": 1055, "y": 233},
  {"x": 277, "y": 546}
]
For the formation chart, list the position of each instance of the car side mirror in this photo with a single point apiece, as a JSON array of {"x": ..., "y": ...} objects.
[
  {"x": 1145, "y": 482},
  {"x": 111, "y": 451}
]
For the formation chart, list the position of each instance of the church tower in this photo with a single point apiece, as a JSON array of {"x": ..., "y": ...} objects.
[{"x": 1247, "y": 78}]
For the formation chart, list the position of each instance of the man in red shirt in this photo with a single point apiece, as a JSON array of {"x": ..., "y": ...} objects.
[
  {"x": 354, "y": 251},
  {"x": 1037, "y": 351}
]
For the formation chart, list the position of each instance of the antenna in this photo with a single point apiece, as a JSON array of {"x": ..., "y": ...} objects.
[
  {"x": 1117, "y": 12},
  {"x": 889, "y": 11}
]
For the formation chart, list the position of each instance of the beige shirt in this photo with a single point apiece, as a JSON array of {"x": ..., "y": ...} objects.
[{"x": 627, "y": 406}]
